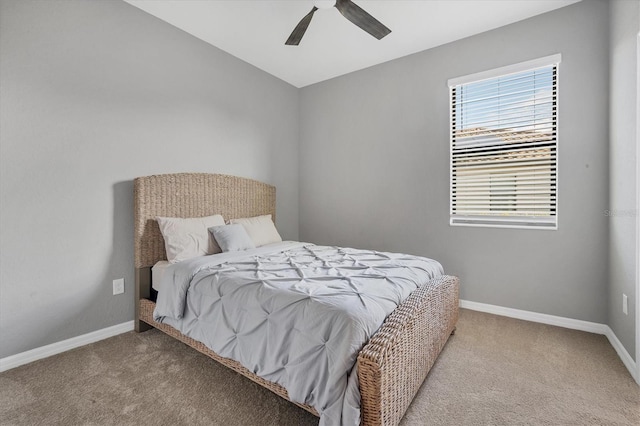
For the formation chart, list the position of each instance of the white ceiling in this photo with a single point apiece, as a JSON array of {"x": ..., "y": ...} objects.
[{"x": 255, "y": 30}]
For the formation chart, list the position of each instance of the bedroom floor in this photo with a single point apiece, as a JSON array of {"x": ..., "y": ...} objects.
[{"x": 494, "y": 370}]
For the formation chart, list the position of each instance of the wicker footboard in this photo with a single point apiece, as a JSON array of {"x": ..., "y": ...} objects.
[{"x": 395, "y": 362}]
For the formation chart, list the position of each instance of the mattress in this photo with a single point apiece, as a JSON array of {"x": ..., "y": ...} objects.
[
  {"x": 295, "y": 314},
  {"x": 157, "y": 273}
]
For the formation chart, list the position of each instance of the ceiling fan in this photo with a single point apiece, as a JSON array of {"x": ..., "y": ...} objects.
[{"x": 349, "y": 10}]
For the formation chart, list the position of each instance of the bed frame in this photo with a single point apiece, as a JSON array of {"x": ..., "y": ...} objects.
[{"x": 391, "y": 366}]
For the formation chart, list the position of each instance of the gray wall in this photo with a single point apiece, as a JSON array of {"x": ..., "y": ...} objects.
[
  {"x": 93, "y": 94},
  {"x": 374, "y": 166},
  {"x": 625, "y": 24}
]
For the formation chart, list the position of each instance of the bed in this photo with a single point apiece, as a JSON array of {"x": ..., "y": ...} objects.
[{"x": 391, "y": 365}]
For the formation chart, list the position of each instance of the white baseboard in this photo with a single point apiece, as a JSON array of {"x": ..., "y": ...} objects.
[
  {"x": 623, "y": 354},
  {"x": 591, "y": 327},
  {"x": 574, "y": 324},
  {"x": 65, "y": 345}
]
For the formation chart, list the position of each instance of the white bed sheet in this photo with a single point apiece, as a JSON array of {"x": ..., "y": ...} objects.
[{"x": 157, "y": 273}]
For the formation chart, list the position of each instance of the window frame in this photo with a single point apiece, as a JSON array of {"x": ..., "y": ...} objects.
[{"x": 520, "y": 222}]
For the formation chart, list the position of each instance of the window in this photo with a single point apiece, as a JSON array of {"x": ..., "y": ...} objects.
[{"x": 504, "y": 146}]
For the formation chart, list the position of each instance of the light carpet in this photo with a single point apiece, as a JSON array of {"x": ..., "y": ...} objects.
[{"x": 493, "y": 371}]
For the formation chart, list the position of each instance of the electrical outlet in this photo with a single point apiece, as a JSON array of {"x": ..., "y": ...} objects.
[
  {"x": 625, "y": 304},
  {"x": 118, "y": 286}
]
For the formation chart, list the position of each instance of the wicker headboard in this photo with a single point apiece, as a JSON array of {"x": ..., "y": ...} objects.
[{"x": 192, "y": 195}]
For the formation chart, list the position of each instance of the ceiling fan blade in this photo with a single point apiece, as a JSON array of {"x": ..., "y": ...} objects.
[
  {"x": 300, "y": 29},
  {"x": 358, "y": 16}
]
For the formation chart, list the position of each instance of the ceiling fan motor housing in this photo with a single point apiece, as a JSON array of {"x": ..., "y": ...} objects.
[{"x": 324, "y": 4}]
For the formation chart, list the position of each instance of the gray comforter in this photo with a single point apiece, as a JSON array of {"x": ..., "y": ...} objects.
[{"x": 293, "y": 313}]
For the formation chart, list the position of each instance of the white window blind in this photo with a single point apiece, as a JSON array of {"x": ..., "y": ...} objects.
[{"x": 504, "y": 144}]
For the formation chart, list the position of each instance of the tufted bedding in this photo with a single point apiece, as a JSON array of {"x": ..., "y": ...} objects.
[{"x": 293, "y": 313}]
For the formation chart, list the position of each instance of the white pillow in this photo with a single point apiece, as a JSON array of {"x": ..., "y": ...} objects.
[
  {"x": 260, "y": 228},
  {"x": 187, "y": 238},
  {"x": 232, "y": 237}
]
